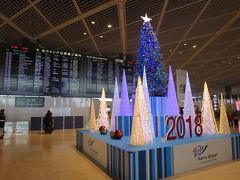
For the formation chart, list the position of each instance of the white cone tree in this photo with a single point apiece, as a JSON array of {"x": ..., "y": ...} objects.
[
  {"x": 125, "y": 109},
  {"x": 141, "y": 133},
  {"x": 224, "y": 125},
  {"x": 147, "y": 100},
  {"x": 115, "y": 105},
  {"x": 171, "y": 104},
  {"x": 208, "y": 118},
  {"x": 92, "y": 123},
  {"x": 102, "y": 114},
  {"x": 188, "y": 102}
]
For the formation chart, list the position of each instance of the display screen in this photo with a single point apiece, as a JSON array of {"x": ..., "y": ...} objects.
[{"x": 28, "y": 71}]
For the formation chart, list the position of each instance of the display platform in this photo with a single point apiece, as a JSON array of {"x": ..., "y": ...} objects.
[{"x": 159, "y": 159}]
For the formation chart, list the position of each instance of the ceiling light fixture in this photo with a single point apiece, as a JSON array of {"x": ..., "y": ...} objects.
[
  {"x": 170, "y": 50},
  {"x": 101, "y": 36},
  {"x": 85, "y": 33},
  {"x": 194, "y": 46},
  {"x": 180, "y": 52},
  {"x": 109, "y": 26},
  {"x": 185, "y": 44},
  {"x": 93, "y": 22}
]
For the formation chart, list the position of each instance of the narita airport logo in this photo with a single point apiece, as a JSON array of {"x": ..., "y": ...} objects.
[
  {"x": 199, "y": 150},
  {"x": 90, "y": 142},
  {"x": 200, "y": 153}
]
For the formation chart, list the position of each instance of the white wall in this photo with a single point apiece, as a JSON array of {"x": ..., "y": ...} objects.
[{"x": 60, "y": 106}]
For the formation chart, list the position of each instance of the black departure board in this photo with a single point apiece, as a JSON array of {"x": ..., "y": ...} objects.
[
  {"x": 46, "y": 72},
  {"x": 19, "y": 69}
]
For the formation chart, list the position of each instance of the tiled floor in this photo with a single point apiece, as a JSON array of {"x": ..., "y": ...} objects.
[{"x": 36, "y": 156}]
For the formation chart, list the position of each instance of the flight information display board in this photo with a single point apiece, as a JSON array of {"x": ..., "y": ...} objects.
[{"x": 45, "y": 72}]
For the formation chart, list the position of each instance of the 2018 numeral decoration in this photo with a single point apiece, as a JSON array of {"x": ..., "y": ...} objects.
[
  {"x": 198, "y": 125},
  {"x": 179, "y": 123},
  {"x": 181, "y": 128},
  {"x": 170, "y": 135}
]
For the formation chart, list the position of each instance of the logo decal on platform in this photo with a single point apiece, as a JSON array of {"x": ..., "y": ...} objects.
[
  {"x": 199, "y": 150},
  {"x": 90, "y": 142}
]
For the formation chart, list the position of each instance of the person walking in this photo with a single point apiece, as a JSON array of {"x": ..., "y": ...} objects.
[{"x": 2, "y": 123}]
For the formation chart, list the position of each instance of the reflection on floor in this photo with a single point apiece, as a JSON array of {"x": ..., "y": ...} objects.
[{"x": 36, "y": 156}]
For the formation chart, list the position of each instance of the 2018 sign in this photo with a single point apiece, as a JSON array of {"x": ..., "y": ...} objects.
[{"x": 180, "y": 125}]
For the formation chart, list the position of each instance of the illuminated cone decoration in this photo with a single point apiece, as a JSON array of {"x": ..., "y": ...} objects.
[
  {"x": 137, "y": 137},
  {"x": 125, "y": 109},
  {"x": 208, "y": 118},
  {"x": 188, "y": 103},
  {"x": 102, "y": 114},
  {"x": 115, "y": 106},
  {"x": 148, "y": 105},
  {"x": 171, "y": 104},
  {"x": 92, "y": 123},
  {"x": 133, "y": 94},
  {"x": 224, "y": 125}
]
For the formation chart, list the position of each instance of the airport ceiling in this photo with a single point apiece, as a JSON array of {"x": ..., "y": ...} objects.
[{"x": 200, "y": 36}]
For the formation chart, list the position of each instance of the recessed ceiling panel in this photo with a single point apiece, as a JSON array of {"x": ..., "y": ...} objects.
[
  {"x": 98, "y": 23},
  {"x": 108, "y": 39},
  {"x": 83, "y": 46},
  {"x": 57, "y": 11},
  {"x": 31, "y": 22},
  {"x": 86, "y": 5},
  {"x": 74, "y": 32},
  {"x": 216, "y": 48},
  {"x": 231, "y": 52},
  {"x": 52, "y": 41},
  {"x": 210, "y": 26},
  {"x": 10, "y": 35},
  {"x": 172, "y": 36},
  {"x": 111, "y": 51},
  {"x": 236, "y": 24},
  {"x": 220, "y": 7},
  {"x": 181, "y": 17},
  {"x": 10, "y": 7},
  {"x": 228, "y": 36},
  {"x": 173, "y": 4}
]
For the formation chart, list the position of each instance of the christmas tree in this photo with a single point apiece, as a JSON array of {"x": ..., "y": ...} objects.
[
  {"x": 150, "y": 57},
  {"x": 137, "y": 135},
  {"x": 188, "y": 103},
  {"x": 125, "y": 109},
  {"x": 147, "y": 100},
  {"x": 208, "y": 118},
  {"x": 171, "y": 105},
  {"x": 115, "y": 106},
  {"x": 102, "y": 114},
  {"x": 92, "y": 123},
  {"x": 224, "y": 125}
]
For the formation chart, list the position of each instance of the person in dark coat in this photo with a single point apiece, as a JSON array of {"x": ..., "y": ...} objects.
[
  {"x": 2, "y": 122},
  {"x": 48, "y": 123}
]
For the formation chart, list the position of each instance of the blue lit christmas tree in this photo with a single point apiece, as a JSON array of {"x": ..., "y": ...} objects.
[{"x": 150, "y": 57}]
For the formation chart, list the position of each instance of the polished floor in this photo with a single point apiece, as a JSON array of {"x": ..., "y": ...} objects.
[{"x": 37, "y": 156}]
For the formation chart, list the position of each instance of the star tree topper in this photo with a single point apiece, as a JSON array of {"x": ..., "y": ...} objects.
[{"x": 146, "y": 18}]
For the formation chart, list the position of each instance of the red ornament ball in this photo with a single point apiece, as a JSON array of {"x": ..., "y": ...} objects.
[
  {"x": 103, "y": 130},
  {"x": 118, "y": 134}
]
